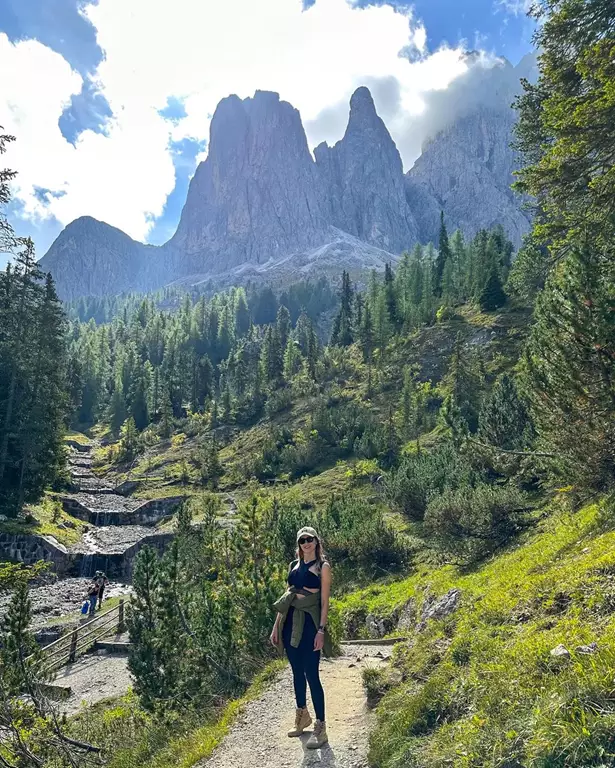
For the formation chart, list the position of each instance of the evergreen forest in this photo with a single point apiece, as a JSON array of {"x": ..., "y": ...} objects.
[{"x": 447, "y": 426}]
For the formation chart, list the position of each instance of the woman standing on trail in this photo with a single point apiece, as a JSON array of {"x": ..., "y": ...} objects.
[{"x": 300, "y": 626}]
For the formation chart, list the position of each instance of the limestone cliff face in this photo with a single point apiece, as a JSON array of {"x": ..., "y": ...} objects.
[
  {"x": 466, "y": 168},
  {"x": 466, "y": 171},
  {"x": 256, "y": 195},
  {"x": 91, "y": 258},
  {"x": 363, "y": 179}
]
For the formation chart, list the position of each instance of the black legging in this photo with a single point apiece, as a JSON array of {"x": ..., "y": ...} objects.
[{"x": 304, "y": 661}]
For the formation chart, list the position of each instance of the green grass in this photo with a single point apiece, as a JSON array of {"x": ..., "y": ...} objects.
[
  {"x": 65, "y": 529},
  {"x": 480, "y": 688},
  {"x": 78, "y": 437},
  {"x": 316, "y": 490}
]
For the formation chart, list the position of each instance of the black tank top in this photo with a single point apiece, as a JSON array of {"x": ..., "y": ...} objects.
[{"x": 302, "y": 577}]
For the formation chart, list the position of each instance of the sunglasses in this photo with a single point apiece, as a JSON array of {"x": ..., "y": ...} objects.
[{"x": 306, "y": 540}]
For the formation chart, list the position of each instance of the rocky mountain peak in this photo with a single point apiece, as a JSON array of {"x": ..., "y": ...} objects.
[
  {"x": 363, "y": 174},
  {"x": 255, "y": 196},
  {"x": 362, "y": 105},
  {"x": 260, "y": 206}
]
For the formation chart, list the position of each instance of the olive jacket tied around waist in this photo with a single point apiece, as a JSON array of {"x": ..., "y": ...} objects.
[{"x": 309, "y": 603}]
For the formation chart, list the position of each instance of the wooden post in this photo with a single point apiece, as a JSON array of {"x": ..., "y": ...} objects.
[
  {"x": 73, "y": 646},
  {"x": 120, "y": 617}
]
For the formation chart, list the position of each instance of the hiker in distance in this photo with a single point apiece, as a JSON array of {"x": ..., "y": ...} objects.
[{"x": 300, "y": 626}]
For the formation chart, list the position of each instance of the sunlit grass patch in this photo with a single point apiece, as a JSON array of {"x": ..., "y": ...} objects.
[{"x": 481, "y": 687}]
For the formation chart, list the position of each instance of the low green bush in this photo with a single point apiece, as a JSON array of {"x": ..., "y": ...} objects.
[
  {"x": 470, "y": 523},
  {"x": 421, "y": 475}
]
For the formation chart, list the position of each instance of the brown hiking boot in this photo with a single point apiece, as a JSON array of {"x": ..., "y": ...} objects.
[
  {"x": 319, "y": 735},
  {"x": 302, "y": 720}
]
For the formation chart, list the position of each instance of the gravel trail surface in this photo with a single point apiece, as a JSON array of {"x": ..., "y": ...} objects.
[
  {"x": 258, "y": 736},
  {"x": 92, "y": 678}
]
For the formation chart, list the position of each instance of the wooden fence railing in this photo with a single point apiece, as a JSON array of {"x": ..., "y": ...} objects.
[{"x": 69, "y": 647}]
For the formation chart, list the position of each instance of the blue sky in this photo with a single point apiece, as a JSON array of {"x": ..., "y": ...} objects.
[{"x": 78, "y": 152}]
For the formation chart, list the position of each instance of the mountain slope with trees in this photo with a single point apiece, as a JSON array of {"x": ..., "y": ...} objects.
[{"x": 448, "y": 427}]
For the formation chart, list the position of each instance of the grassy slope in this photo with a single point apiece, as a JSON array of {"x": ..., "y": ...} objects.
[
  {"x": 480, "y": 687},
  {"x": 64, "y": 528}
]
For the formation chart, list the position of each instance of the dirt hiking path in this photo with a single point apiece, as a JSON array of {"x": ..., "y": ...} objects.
[
  {"x": 258, "y": 736},
  {"x": 93, "y": 678}
]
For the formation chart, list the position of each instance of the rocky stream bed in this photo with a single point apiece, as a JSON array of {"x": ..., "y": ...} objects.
[{"x": 110, "y": 543}]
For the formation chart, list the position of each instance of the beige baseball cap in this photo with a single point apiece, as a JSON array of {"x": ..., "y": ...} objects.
[{"x": 307, "y": 531}]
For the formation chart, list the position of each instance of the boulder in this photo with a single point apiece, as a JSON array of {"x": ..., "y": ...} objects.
[
  {"x": 407, "y": 617},
  {"x": 439, "y": 608},
  {"x": 587, "y": 649},
  {"x": 560, "y": 652}
]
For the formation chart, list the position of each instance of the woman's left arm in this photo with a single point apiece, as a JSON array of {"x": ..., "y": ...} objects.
[{"x": 325, "y": 591}]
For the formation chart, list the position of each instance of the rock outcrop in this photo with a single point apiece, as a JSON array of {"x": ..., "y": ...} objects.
[
  {"x": 466, "y": 171},
  {"x": 255, "y": 198},
  {"x": 363, "y": 181},
  {"x": 466, "y": 166}
]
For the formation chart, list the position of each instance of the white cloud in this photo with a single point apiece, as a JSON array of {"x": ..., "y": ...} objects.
[
  {"x": 122, "y": 177},
  {"x": 516, "y": 7},
  {"x": 200, "y": 51}
]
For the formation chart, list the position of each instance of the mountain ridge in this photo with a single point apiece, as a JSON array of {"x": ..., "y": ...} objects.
[{"x": 261, "y": 199}]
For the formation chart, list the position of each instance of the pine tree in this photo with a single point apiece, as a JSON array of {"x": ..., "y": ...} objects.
[
  {"x": 382, "y": 325},
  {"x": 283, "y": 326},
  {"x": 144, "y": 657},
  {"x": 8, "y": 240},
  {"x": 427, "y": 307},
  {"x": 492, "y": 296},
  {"x": 406, "y": 406},
  {"x": 45, "y": 409},
  {"x": 342, "y": 333},
  {"x": 33, "y": 382},
  {"x": 312, "y": 351},
  {"x": 390, "y": 297},
  {"x": 138, "y": 400},
  {"x": 464, "y": 381},
  {"x": 459, "y": 258},
  {"x": 211, "y": 467},
  {"x": 17, "y": 644},
  {"x": 227, "y": 404},
  {"x": 504, "y": 418},
  {"x": 271, "y": 356},
  {"x": 292, "y": 359},
  {"x": 242, "y": 314},
  {"x": 566, "y": 136},
  {"x": 117, "y": 408},
  {"x": 448, "y": 289},
  {"x": 129, "y": 439},
  {"x": 166, "y": 416},
  {"x": 482, "y": 263},
  {"x": 366, "y": 334},
  {"x": 569, "y": 366},
  {"x": 444, "y": 255},
  {"x": 391, "y": 443},
  {"x": 452, "y": 417}
]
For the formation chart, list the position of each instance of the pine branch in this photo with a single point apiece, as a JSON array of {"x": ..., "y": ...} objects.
[{"x": 539, "y": 454}]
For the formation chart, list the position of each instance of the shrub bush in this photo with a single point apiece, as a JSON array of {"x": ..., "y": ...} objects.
[
  {"x": 470, "y": 523},
  {"x": 420, "y": 475}
]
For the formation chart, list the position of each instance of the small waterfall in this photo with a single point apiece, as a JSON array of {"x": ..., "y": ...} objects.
[{"x": 87, "y": 566}]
